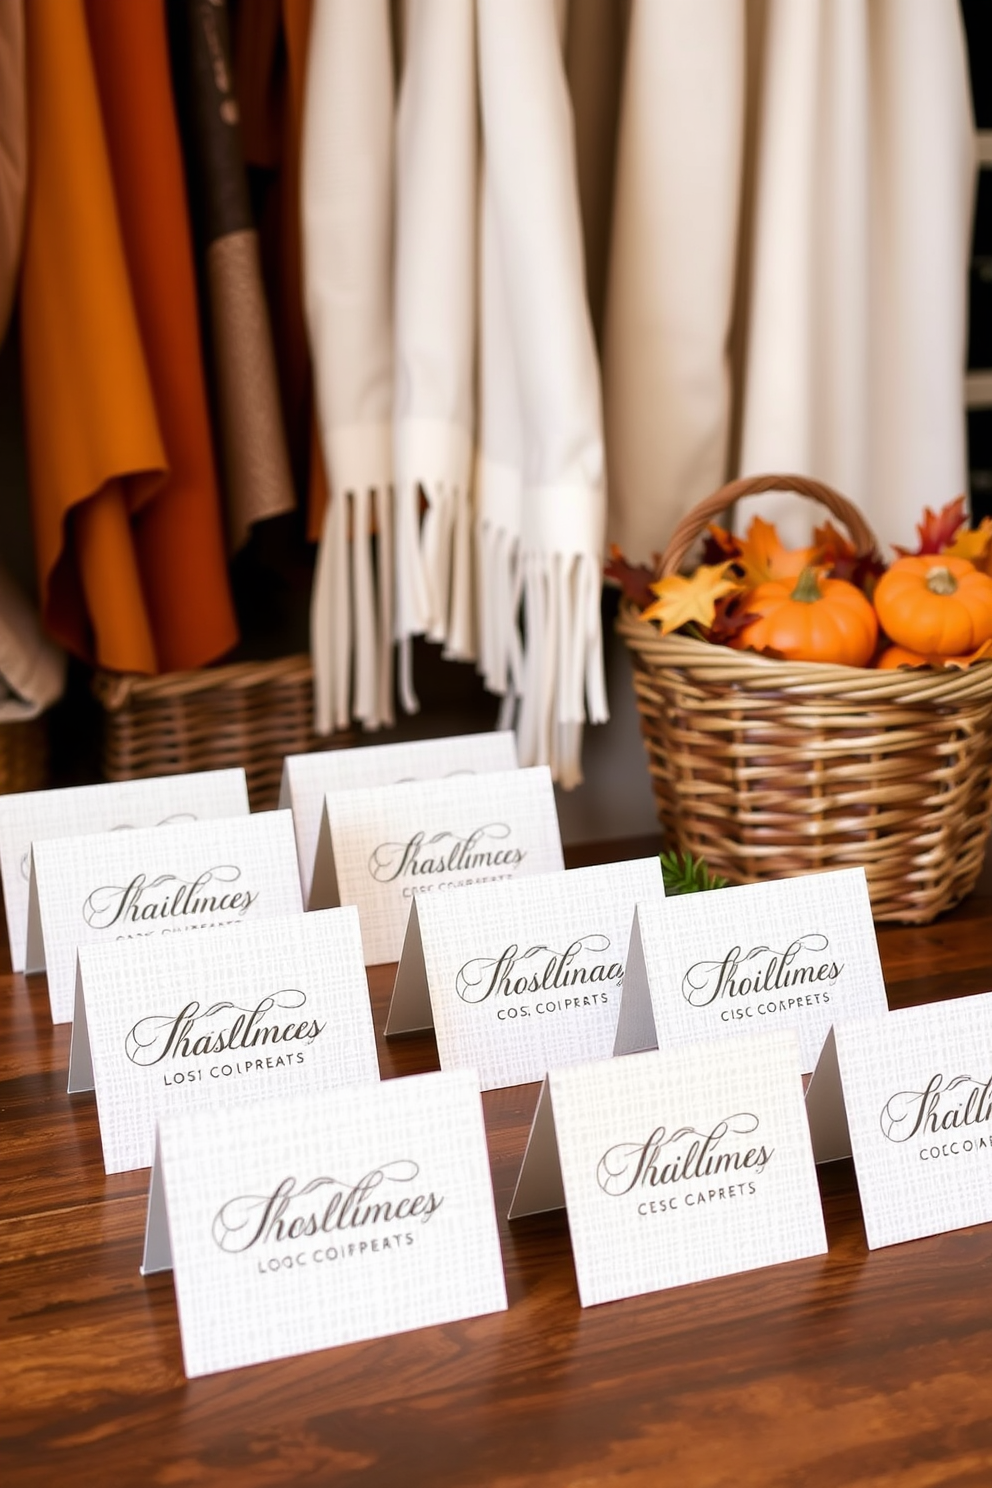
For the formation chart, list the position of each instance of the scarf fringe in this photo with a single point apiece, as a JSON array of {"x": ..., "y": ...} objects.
[
  {"x": 564, "y": 680},
  {"x": 552, "y": 676},
  {"x": 351, "y": 610},
  {"x": 434, "y": 550},
  {"x": 498, "y": 580}
]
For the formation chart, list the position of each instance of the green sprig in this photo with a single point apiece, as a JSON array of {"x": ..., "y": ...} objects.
[{"x": 684, "y": 874}]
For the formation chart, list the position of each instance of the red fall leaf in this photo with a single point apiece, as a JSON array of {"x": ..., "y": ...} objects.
[
  {"x": 937, "y": 530},
  {"x": 635, "y": 579}
]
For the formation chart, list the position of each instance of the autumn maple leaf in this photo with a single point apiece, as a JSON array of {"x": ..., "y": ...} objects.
[
  {"x": 832, "y": 543},
  {"x": 937, "y": 530},
  {"x": 975, "y": 545},
  {"x": 683, "y": 601},
  {"x": 730, "y": 616},
  {"x": 635, "y": 579},
  {"x": 963, "y": 662},
  {"x": 762, "y": 556},
  {"x": 719, "y": 545}
]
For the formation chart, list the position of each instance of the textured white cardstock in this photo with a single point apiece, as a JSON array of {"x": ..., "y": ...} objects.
[
  {"x": 791, "y": 953},
  {"x": 426, "y": 837},
  {"x": 917, "y": 1098},
  {"x": 523, "y": 976},
  {"x": 677, "y": 1165},
  {"x": 34, "y": 816},
  {"x": 158, "y": 881},
  {"x": 350, "y": 1214},
  {"x": 187, "y": 1021},
  {"x": 306, "y": 779}
]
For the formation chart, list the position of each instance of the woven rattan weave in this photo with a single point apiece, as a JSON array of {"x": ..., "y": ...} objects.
[
  {"x": 767, "y": 768},
  {"x": 23, "y": 755},
  {"x": 250, "y": 713}
]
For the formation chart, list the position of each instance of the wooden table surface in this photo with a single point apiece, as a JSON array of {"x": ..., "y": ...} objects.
[{"x": 850, "y": 1370}]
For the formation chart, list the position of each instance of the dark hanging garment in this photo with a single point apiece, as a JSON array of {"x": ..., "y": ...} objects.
[
  {"x": 270, "y": 41},
  {"x": 178, "y": 536},
  {"x": 256, "y": 465}
]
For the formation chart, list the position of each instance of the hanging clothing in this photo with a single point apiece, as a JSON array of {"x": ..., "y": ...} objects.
[
  {"x": 13, "y": 151},
  {"x": 670, "y": 297},
  {"x": 536, "y": 236},
  {"x": 435, "y": 294},
  {"x": 347, "y": 184},
  {"x": 94, "y": 447},
  {"x": 858, "y": 309},
  {"x": 270, "y": 43},
  {"x": 257, "y": 479},
  {"x": 32, "y": 670},
  {"x": 178, "y": 536}
]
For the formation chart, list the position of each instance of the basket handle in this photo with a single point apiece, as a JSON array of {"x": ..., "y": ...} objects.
[{"x": 693, "y": 522}]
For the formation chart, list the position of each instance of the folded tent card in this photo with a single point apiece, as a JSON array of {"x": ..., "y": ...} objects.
[
  {"x": 523, "y": 976},
  {"x": 160, "y": 881},
  {"x": 794, "y": 953},
  {"x": 397, "y": 842},
  {"x": 34, "y": 816},
  {"x": 307, "y": 778},
  {"x": 186, "y": 1021},
  {"x": 295, "y": 1225},
  {"x": 676, "y": 1165},
  {"x": 911, "y": 1092}
]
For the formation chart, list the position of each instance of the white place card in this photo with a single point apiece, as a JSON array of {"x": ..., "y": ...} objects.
[
  {"x": 187, "y": 1021},
  {"x": 676, "y": 1165},
  {"x": 397, "y": 842},
  {"x": 523, "y": 976},
  {"x": 33, "y": 816},
  {"x": 306, "y": 779},
  {"x": 350, "y": 1214},
  {"x": 159, "y": 881},
  {"x": 791, "y": 953},
  {"x": 916, "y": 1093}
]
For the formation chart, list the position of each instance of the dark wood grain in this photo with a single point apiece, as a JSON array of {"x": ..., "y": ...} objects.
[{"x": 854, "y": 1370}]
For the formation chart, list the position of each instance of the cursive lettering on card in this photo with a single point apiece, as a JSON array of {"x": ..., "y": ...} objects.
[
  {"x": 168, "y": 897},
  {"x": 804, "y": 963},
  {"x": 445, "y": 852},
  {"x": 538, "y": 968},
  {"x": 221, "y": 1028},
  {"x": 323, "y": 1206},
  {"x": 944, "y": 1108},
  {"x": 682, "y": 1155}
]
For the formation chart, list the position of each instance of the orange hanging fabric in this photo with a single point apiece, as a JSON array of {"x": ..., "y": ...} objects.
[
  {"x": 93, "y": 439},
  {"x": 179, "y": 536}
]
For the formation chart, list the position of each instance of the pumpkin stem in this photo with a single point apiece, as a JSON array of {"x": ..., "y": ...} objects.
[
  {"x": 940, "y": 580},
  {"x": 807, "y": 589}
]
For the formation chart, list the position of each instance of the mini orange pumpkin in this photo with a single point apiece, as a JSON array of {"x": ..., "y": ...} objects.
[
  {"x": 812, "y": 620},
  {"x": 899, "y": 656},
  {"x": 935, "y": 604}
]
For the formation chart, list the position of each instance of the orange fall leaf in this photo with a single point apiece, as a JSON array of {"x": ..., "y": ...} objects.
[{"x": 684, "y": 601}]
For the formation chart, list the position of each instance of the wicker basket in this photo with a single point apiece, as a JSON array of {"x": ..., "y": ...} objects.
[
  {"x": 251, "y": 714},
  {"x": 23, "y": 755},
  {"x": 768, "y": 768}
]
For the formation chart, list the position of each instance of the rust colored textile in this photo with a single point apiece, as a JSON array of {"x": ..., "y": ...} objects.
[
  {"x": 13, "y": 150},
  {"x": 94, "y": 446},
  {"x": 178, "y": 537}
]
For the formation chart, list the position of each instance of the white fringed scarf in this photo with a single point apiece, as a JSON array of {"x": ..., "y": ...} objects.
[
  {"x": 347, "y": 190},
  {"x": 541, "y": 481},
  {"x": 858, "y": 294},
  {"x": 435, "y": 274},
  {"x": 670, "y": 291}
]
